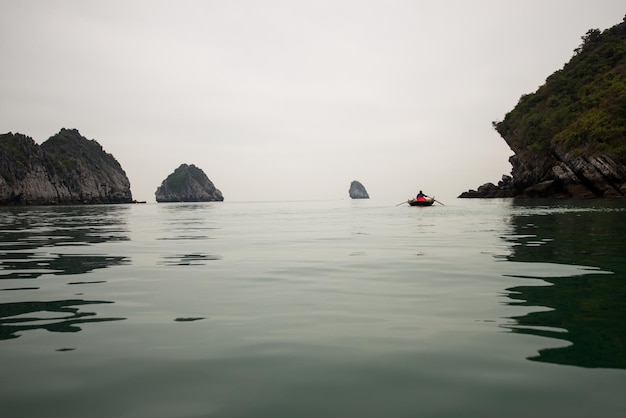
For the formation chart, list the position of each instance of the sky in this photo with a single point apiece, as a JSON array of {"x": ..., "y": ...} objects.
[{"x": 287, "y": 99}]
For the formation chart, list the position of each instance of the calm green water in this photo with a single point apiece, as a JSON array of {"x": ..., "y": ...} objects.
[{"x": 314, "y": 309}]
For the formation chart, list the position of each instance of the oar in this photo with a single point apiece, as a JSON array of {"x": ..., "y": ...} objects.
[
  {"x": 438, "y": 202},
  {"x": 402, "y": 203}
]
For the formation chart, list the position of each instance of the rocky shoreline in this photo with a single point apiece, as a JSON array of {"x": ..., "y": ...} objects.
[{"x": 559, "y": 177}]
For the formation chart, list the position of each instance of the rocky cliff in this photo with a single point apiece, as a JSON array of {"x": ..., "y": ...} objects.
[
  {"x": 65, "y": 169},
  {"x": 357, "y": 191},
  {"x": 188, "y": 183},
  {"x": 569, "y": 137}
]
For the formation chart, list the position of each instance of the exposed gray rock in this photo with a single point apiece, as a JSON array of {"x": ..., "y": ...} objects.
[
  {"x": 560, "y": 176},
  {"x": 490, "y": 190},
  {"x": 65, "y": 169},
  {"x": 357, "y": 191},
  {"x": 188, "y": 183},
  {"x": 572, "y": 176}
]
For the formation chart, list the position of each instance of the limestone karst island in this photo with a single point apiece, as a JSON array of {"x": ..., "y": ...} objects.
[
  {"x": 357, "y": 191},
  {"x": 65, "y": 169},
  {"x": 69, "y": 169},
  {"x": 188, "y": 183},
  {"x": 569, "y": 137}
]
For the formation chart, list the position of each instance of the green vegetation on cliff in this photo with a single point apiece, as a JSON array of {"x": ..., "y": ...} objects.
[
  {"x": 188, "y": 183},
  {"x": 176, "y": 181},
  {"x": 581, "y": 109}
]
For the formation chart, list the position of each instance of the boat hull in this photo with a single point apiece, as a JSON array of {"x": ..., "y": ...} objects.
[{"x": 426, "y": 202}]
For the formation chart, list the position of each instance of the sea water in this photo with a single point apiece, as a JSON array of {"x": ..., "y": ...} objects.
[{"x": 351, "y": 308}]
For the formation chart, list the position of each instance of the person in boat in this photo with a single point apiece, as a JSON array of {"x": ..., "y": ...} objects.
[{"x": 421, "y": 196}]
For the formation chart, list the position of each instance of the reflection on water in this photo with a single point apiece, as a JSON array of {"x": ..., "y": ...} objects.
[
  {"x": 306, "y": 309},
  {"x": 195, "y": 259},
  {"x": 38, "y": 243},
  {"x": 587, "y": 310},
  {"x": 187, "y": 224},
  {"x": 53, "y": 316},
  {"x": 48, "y": 226},
  {"x": 32, "y": 265}
]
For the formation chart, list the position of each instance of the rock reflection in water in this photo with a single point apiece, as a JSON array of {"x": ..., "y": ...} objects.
[
  {"x": 28, "y": 234},
  {"x": 188, "y": 259},
  {"x": 27, "y": 228},
  {"x": 41, "y": 242},
  {"x": 188, "y": 225},
  {"x": 53, "y": 316},
  {"x": 33, "y": 265},
  {"x": 586, "y": 310}
]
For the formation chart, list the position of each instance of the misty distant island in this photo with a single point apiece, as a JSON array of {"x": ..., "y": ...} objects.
[
  {"x": 569, "y": 137},
  {"x": 357, "y": 191}
]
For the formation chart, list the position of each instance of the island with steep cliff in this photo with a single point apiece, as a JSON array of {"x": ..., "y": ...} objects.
[
  {"x": 65, "y": 169},
  {"x": 188, "y": 183},
  {"x": 569, "y": 137}
]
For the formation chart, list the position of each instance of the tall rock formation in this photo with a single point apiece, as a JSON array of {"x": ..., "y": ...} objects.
[
  {"x": 569, "y": 137},
  {"x": 188, "y": 183},
  {"x": 65, "y": 169},
  {"x": 357, "y": 191}
]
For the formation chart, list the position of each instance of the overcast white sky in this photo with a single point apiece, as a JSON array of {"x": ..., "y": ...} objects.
[{"x": 288, "y": 100}]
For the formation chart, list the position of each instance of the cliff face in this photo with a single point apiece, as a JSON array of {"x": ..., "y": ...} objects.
[
  {"x": 357, "y": 191},
  {"x": 569, "y": 137},
  {"x": 66, "y": 169},
  {"x": 188, "y": 183}
]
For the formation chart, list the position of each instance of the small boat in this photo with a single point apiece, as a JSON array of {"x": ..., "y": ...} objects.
[{"x": 424, "y": 201}]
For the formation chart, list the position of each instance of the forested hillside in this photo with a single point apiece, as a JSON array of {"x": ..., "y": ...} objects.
[
  {"x": 569, "y": 137},
  {"x": 581, "y": 107}
]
